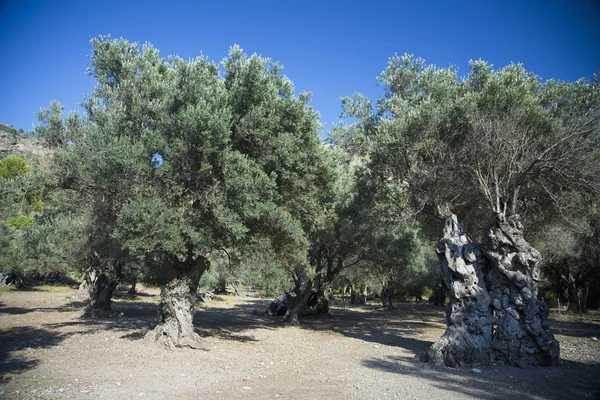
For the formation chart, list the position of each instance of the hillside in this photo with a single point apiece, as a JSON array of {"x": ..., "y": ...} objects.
[{"x": 13, "y": 142}]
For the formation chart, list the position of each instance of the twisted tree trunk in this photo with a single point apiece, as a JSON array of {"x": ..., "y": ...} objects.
[
  {"x": 176, "y": 309},
  {"x": 295, "y": 305},
  {"x": 494, "y": 314},
  {"x": 322, "y": 300},
  {"x": 521, "y": 337},
  {"x": 467, "y": 340},
  {"x": 98, "y": 286}
]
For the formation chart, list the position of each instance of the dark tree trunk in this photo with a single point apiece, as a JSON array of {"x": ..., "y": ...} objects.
[
  {"x": 573, "y": 298},
  {"x": 387, "y": 293},
  {"x": 521, "y": 337},
  {"x": 298, "y": 303},
  {"x": 322, "y": 300},
  {"x": 353, "y": 295},
  {"x": 176, "y": 309},
  {"x": 98, "y": 286},
  {"x": 585, "y": 292},
  {"x": 439, "y": 294},
  {"x": 467, "y": 340},
  {"x": 132, "y": 289}
]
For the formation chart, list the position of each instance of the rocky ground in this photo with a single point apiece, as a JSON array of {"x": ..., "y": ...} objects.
[{"x": 48, "y": 351}]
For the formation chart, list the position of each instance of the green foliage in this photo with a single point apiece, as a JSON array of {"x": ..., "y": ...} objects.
[
  {"x": 240, "y": 162},
  {"x": 12, "y": 167},
  {"x": 56, "y": 131},
  {"x": 36, "y": 205},
  {"x": 427, "y": 292},
  {"x": 20, "y": 221},
  {"x": 494, "y": 141}
]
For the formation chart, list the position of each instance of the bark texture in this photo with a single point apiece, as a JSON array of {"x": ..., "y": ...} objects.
[
  {"x": 494, "y": 314},
  {"x": 467, "y": 341},
  {"x": 521, "y": 336},
  {"x": 176, "y": 309},
  {"x": 298, "y": 303},
  {"x": 322, "y": 298},
  {"x": 98, "y": 287}
]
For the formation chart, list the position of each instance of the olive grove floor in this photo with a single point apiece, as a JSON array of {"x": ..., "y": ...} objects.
[{"x": 48, "y": 351}]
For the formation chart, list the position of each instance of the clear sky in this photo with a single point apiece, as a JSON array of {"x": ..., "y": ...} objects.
[{"x": 331, "y": 48}]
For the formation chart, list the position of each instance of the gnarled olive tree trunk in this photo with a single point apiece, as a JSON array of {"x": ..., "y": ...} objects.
[
  {"x": 323, "y": 296},
  {"x": 176, "y": 309},
  {"x": 494, "y": 314},
  {"x": 521, "y": 335},
  {"x": 296, "y": 304},
  {"x": 97, "y": 286},
  {"x": 467, "y": 340}
]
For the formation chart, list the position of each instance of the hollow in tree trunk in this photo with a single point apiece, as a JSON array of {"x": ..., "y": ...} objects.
[
  {"x": 176, "y": 309},
  {"x": 521, "y": 337},
  {"x": 467, "y": 340}
]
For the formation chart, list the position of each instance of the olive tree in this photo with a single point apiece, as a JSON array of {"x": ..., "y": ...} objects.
[{"x": 485, "y": 147}]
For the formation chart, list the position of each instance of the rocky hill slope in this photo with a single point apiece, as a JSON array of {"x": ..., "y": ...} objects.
[{"x": 18, "y": 143}]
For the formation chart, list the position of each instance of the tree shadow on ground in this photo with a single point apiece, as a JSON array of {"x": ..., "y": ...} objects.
[
  {"x": 27, "y": 339},
  {"x": 574, "y": 328},
  {"x": 70, "y": 307},
  {"x": 18, "y": 344},
  {"x": 399, "y": 327},
  {"x": 230, "y": 323},
  {"x": 402, "y": 327},
  {"x": 499, "y": 383}
]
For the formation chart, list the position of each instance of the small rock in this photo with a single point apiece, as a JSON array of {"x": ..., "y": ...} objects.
[
  {"x": 121, "y": 315},
  {"x": 476, "y": 370},
  {"x": 118, "y": 383},
  {"x": 61, "y": 390},
  {"x": 510, "y": 388},
  {"x": 140, "y": 394},
  {"x": 594, "y": 338},
  {"x": 246, "y": 388}
]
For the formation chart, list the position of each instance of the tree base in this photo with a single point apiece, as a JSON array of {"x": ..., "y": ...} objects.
[
  {"x": 458, "y": 348},
  {"x": 169, "y": 336},
  {"x": 99, "y": 312},
  {"x": 176, "y": 309}
]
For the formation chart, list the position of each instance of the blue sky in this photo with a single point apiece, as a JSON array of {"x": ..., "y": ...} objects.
[{"x": 331, "y": 48}]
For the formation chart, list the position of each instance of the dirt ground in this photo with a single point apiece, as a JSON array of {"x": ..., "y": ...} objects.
[{"x": 48, "y": 351}]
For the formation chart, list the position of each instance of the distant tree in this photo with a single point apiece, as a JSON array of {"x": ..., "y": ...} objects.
[
  {"x": 571, "y": 260},
  {"x": 55, "y": 130},
  {"x": 36, "y": 242}
]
